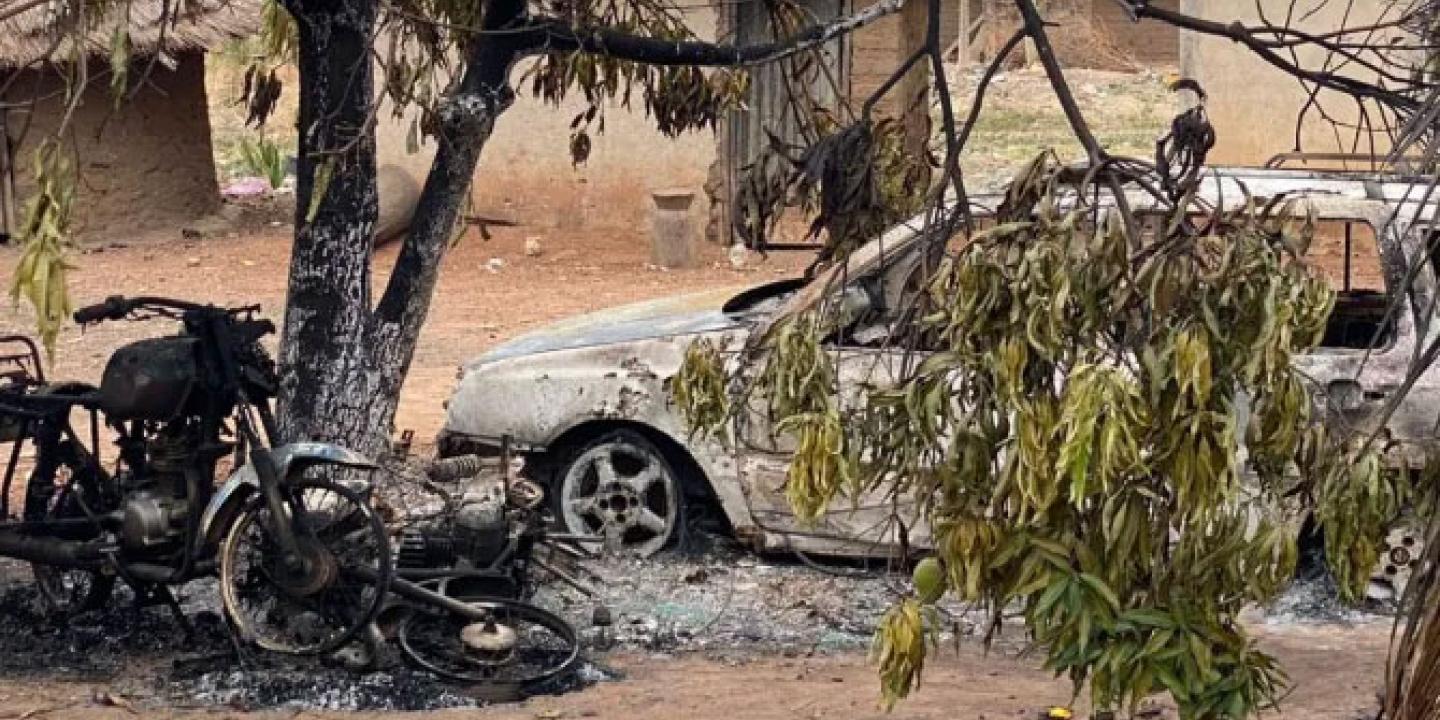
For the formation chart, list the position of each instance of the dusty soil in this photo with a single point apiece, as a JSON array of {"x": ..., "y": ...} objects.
[
  {"x": 1335, "y": 671},
  {"x": 1127, "y": 111}
]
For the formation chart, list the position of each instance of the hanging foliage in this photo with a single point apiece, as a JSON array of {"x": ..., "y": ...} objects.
[
  {"x": 1073, "y": 434},
  {"x": 699, "y": 388},
  {"x": 44, "y": 236}
]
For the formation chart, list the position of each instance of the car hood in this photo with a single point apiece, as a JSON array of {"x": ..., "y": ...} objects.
[{"x": 683, "y": 315}]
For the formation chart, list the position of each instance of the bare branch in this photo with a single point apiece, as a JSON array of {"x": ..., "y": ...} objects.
[
  {"x": 1239, "y": 33},
  {"x": 12, "y": 11},
  {"x": 560, "y": 36},
  {"x": 1035, "y": 28}
]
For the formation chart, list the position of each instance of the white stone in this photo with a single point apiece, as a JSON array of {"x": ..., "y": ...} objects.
[{"x": 739, "y": 256}]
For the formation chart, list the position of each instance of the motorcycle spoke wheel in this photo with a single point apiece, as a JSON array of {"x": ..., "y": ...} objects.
[
  {"x": 326, "y": 603},
  {"x": 67, "y": 591},
  {"x": 517, "y": 648}
]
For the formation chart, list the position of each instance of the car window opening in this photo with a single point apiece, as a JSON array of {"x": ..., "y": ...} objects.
[{"x": 1346, "y": 253}]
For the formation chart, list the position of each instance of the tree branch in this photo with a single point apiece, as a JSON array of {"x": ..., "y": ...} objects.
[
  {"x": 1035, "y": 28},
  {"x": 12, "y": 11},
  {"x": 467, "y": 118},
  {"x": 979, "y": 100},
  {"x": 559, "y": 36},
  {"x": 1237, "y": 32}
]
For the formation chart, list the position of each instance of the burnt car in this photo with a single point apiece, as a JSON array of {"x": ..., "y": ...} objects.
[{"x": 586, "y": 403}]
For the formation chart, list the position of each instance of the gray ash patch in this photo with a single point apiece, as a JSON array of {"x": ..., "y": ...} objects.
[
  {"x": 1316, "y": 600},
  {"x": 726, "y": 599},
  {"x": 292, "y": 685}
]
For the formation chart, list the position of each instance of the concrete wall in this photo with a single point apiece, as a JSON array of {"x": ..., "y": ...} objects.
[
  {"x": 1253, "y": 105},
  {"x": 525, "y": 173},
  {"x": 148, "y": 164}
]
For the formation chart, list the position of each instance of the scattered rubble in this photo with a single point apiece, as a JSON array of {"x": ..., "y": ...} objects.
[{"x": 726, "y": 600}]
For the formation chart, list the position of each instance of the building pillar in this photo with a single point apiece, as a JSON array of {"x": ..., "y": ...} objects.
[{"x": 914, "y": 88}]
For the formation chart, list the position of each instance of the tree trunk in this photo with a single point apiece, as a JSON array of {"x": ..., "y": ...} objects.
[
  {"x": 344, "y": 364},
  {"x": 329, "y": 382},
  {"x": 466, "y": 120}
]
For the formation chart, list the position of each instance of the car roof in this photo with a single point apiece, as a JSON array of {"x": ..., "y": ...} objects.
[{"x": 1334, "y": 194}]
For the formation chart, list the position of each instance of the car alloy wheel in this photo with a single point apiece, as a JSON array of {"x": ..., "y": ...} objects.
[{"x": 621, "y": 489}]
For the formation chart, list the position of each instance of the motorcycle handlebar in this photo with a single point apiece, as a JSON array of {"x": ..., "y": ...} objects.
[{"x": 116, "y": 307}]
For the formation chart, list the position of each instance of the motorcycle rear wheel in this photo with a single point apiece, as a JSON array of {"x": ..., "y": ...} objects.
[
  {"x": 49, "y": 496},
  {"x": 541, "y": 646}
]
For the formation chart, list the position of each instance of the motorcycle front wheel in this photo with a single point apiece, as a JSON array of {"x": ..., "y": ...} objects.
[{"x": 319, "y": 604}]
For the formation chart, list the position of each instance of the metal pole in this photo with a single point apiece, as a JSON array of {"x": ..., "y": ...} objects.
[
  {"x": 1348, "y": 243},
  {"x": 7, "y": 182}
]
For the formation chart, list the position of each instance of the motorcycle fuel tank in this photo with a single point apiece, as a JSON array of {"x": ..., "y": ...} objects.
[{"x": 151, "y": 379}]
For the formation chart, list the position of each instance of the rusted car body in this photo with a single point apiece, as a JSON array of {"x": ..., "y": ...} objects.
[{"x": 565, "y": 388}]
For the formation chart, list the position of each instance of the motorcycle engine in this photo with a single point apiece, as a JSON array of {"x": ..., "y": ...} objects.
[
  {"x": 155, "y": 509},
  {"x": 474, "y": 535},
  {"x": 151, "y": 519}
]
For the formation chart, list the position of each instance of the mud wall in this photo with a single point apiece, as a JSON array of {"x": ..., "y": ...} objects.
[
  {"x": 526, "y": 175},
  {"x": 1149, "y": 43},
  {"x": 148, "y": 164},
  {"x": 1253, "y": 105}
]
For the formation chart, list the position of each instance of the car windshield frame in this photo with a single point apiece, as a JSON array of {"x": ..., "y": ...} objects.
[{"x": 1385, "y": 205}]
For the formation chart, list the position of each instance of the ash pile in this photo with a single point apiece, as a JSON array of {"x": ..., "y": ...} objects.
[
  {"x": 144, "y": 659},
  {"x": 725, "y": 601}
]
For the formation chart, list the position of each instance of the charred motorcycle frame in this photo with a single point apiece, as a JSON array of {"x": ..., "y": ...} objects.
[{"x": 303, "y": 561}]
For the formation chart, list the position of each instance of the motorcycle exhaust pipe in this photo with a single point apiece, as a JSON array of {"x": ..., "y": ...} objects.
[{"x": 49, "y": 551}]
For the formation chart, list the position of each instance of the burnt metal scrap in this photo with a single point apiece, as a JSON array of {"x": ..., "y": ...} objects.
[{"x": 477, "y": 537}]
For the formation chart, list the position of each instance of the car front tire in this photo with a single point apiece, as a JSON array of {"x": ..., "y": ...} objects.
[{"x": 621, "y": 488}]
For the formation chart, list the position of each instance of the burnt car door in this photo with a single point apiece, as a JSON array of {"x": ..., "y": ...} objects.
[{"x": 870, "y": 310}]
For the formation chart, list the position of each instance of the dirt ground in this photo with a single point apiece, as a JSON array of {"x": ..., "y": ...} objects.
[
  {"x": 1127, "y": 112},
  {"x": 1335, "y": 669}
]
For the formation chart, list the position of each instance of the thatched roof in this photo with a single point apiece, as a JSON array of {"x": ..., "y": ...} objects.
[{"x": 192, "y": 24}]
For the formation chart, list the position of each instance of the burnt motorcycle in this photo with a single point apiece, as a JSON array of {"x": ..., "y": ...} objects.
[
  {"x": 466, "y": 564},
  {"x": 303, "y": 561}
]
